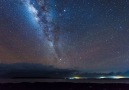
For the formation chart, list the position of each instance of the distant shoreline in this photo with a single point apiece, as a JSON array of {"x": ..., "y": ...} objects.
[{"x": 101, "y": 81}]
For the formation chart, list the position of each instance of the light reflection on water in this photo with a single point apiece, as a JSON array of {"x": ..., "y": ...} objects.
[{"x": 100, "y": 77}]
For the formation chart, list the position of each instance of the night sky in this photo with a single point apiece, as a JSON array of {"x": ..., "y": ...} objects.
[{"x": 91, "y": 35}]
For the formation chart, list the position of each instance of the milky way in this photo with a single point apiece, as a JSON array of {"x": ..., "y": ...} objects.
[
  {"x": 91, "y": 35},
  {"x": 43, "y": 15}
]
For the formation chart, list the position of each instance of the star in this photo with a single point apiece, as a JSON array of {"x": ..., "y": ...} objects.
[{"x": 64, "y": 10}]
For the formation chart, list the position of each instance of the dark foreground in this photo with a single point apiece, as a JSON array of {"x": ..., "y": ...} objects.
[{"x": 63, "y": 86}]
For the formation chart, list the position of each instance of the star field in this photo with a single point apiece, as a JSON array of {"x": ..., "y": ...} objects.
[{"x": 91, "y": 35}]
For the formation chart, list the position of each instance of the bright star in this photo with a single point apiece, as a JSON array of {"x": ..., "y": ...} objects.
[{"x": 64, "y": 10}]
